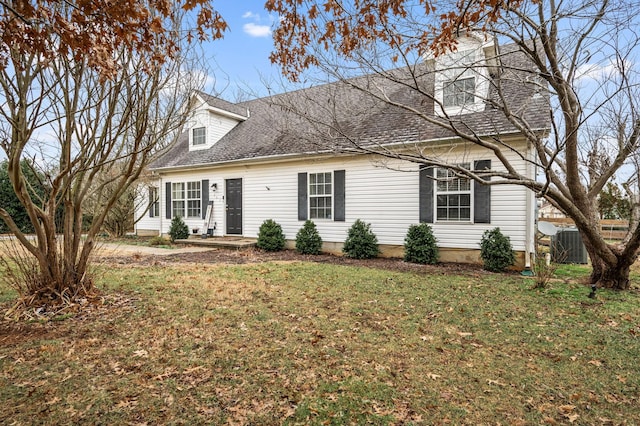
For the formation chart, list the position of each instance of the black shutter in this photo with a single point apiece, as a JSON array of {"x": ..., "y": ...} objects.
[
  {"x": 168, "y": 199},
  {"x": 482, "y": 195},
  {"x": 204, "y": 187},
  {"x": 302, "y": 196},
  {"x": 151, "y": 201},
  {"x": 339, "y": 195},
  {"x": 426, "y": 194}
]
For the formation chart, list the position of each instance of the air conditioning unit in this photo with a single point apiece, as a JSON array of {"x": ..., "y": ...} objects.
[{"x": 567, "y": 247}]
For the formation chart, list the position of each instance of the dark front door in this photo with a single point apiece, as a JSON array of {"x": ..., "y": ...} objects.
[{"x": 234, "y": 206}]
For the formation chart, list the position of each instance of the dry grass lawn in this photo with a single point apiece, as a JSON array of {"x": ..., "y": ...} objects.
[{"x": 307, "y": 343}]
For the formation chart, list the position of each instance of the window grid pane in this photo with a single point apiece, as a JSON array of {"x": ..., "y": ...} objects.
[
  {"x": 193, "y": 190},
  {"x": 453, "y": 196},
  {"x": 193, "y": 199},
  {"x": 320, "y": 196},
  {"x": 199, "y": 136},
  {"x": 193, "y": 208},
  {"x": 178, "y": 208},
  {"x": 177, "y": 191},
  {"x": 459, "y": 92}
]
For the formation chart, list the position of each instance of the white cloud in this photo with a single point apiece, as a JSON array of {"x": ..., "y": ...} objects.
[
  {"x": 251, "y": 15},
  {"x": 255, "y": 30},
  {"x": 593, "y": 71}
]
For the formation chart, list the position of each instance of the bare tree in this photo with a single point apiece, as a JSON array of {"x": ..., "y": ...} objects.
[
  {"x": 88, "y": 128},
  {"x": 120, "y": 218},
  {"x": 578, "y": 56}
]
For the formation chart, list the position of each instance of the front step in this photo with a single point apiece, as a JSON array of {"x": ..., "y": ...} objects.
[{"x": 221, "y": 242}]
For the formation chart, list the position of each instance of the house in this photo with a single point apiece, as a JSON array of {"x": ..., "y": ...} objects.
[
  {"x": 546, "y": 210},
  {"x": 287, "y": 157}
]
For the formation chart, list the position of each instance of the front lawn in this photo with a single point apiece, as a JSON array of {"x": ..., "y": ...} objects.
[{"x": 306, "y": 343}]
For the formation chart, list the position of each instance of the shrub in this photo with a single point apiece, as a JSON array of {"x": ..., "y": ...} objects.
[
  {"x": 308, "y": 240},
  {"x": 496, "y": 251},
  {"x": 270, "y": 236},
  {"x": 178, "y": 230},
  {"x": 420, "y": 245},
  {"x": 361, "y": 242},
  {"x": 159, "y": 241}
]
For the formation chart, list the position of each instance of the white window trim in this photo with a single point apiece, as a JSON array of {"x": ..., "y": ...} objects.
[
  {"x": 185, "y": 199},
  {"x": 471, "y": 193},
  {"x": 188, "y": 198},
  {"x": 332, "y": 195},
  {"x": 175, "y": 199},
  {"x": 199, "y": 119}
]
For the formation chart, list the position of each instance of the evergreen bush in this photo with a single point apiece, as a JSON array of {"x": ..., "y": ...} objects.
[
  {"x": 420, "y": 245},
  {"x": 178, "y": 230},
  {"x": 308, "y": 240},
  {"x": 361, "y": 242},
  {"x": 496, "y": 251},
  {"x": 270, "y": 236}
]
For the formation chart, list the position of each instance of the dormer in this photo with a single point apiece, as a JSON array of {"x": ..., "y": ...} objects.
[
  {"x": 211, "y": 119},
  {"x": 462, "y": 76}
]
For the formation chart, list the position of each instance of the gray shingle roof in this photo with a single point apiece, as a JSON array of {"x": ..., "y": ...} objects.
[
  {"x": 222, "y": 104},
  {"x": 331, "y": 116}
]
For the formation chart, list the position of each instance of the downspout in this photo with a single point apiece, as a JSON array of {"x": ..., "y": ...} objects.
[
  {"x": 162, "y": 196},
  {"x": 529, "y": 251}
]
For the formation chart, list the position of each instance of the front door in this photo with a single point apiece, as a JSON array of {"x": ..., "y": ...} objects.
[{"x": 234, "y": 206}]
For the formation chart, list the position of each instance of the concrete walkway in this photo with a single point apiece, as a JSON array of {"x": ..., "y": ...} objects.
[{"x": 112, "y": 249}]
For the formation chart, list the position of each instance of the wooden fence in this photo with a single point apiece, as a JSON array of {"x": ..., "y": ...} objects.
[{"x": 611, "y": 229}]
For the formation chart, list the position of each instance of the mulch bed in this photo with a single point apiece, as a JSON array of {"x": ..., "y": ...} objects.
[{"x": 253, "y": 255}]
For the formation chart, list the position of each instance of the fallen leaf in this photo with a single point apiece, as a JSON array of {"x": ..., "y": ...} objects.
[
  {"x": 141, "y": 353},
  {"x": 433, "y": 376},
  {"x": 55, "y": 400},
  {"x": 572, "y": 417},
  {"x": 566, "y": 408}
]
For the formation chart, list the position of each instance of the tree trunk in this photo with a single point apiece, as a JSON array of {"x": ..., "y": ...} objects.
[{"x": 613, "y": 275}]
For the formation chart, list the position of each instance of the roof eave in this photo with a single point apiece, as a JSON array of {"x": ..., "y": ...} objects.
[{"x": 328, "y": 153}]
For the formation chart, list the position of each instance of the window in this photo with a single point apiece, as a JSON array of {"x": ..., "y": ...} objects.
[
  {"x": 193, "y": 199},
  {"x": 320, "y": 196},
  {"x": 460, "y": 92},
  {"x": 177, "y": 199},
  {"x": 154, "y": 202},
  {"x": 199, "y": 136},
  {"x": 453, "y": 196},
  {"x": 462, "y": 80},
  {"x": 188, "y": 201},
  {"x": 443, "y": 196}
]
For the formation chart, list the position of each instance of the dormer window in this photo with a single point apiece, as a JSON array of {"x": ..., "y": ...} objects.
[
  {"x": 462, "y": 79},
  {"x": 199, "y": 136}
]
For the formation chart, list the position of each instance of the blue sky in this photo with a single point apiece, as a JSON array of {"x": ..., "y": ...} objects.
[{"x": 240, "y": 59}]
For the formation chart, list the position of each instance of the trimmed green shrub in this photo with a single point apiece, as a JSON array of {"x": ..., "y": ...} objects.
[
  {"x": 308, "y": 240},
  {"x": 420, "y": 245},
  {"x": 178, "y": 230},
  {"x": 270, "y": 236},
  {"x": 496, "y": 251},
  {"x": 361, "y": 242}
]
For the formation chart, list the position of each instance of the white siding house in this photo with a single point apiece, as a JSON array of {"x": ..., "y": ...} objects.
[{"x": 254, "y": 161}]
